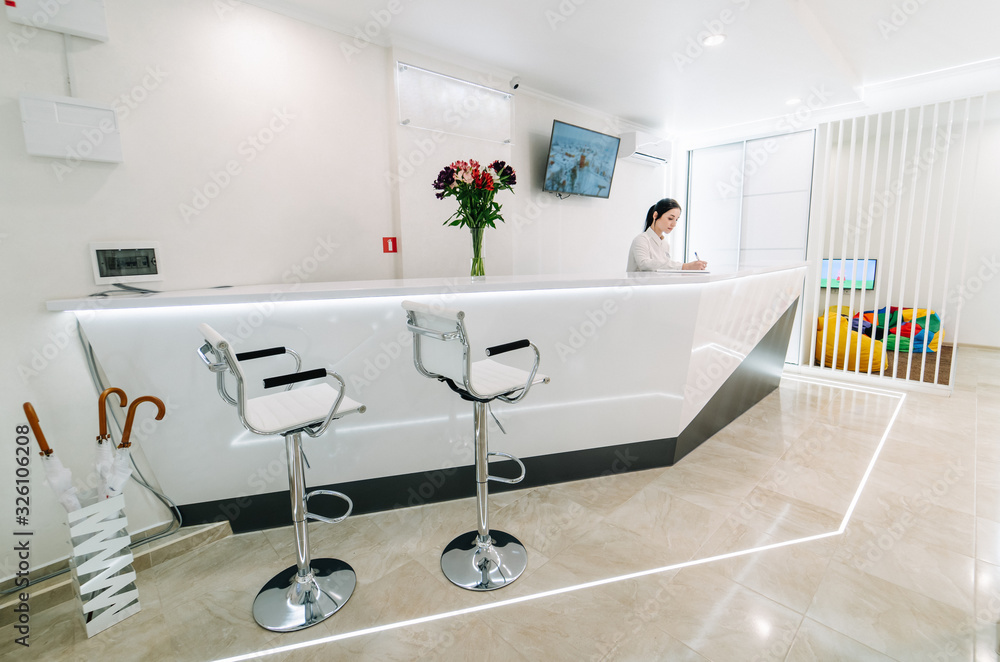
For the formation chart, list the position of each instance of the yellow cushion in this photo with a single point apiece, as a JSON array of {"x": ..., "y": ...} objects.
[{"x": 842, "y": 345}]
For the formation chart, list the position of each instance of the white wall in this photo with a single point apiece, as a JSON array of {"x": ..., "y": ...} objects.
[
  {"x": 978, "y": 291},
  {"x": 193, "y": 85}
]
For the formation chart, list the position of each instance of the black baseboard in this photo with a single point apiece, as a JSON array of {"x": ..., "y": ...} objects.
[{"x": 757, "y": 375}]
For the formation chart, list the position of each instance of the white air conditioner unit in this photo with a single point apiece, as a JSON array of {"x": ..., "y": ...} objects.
[{"x": 644, "y": 148}]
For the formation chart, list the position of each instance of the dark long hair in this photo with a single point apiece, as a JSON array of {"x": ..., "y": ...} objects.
[{"x": 661, "y": 208}]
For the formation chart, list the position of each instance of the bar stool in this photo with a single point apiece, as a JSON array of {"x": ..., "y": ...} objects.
[
  {"x": 484, "y": 559},
  {"x": 313, "y": 589}
]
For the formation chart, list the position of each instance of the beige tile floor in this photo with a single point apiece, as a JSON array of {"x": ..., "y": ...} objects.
[{"x": 914, "y": 574}]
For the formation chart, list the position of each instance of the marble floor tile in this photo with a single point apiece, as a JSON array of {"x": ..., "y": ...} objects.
[
  {"x": 916, "y": 574},
  {"x": 921, "y": 519},
  {"x": 718, "y": 490},
  {"x": 783, "y": 517},
  {"x": 722, "y": 620},
  {"x": 987, "y": 611},
  {"x": 818, "y": 487},
  {"x": 988, "y": 540},
  {"x": 544, "y": 518},
  {"x": 652, "y": 644},
  {"x": 815, "y": 642},
  {"x": 988, "y": 490},
  {"x": 892, "y": 620},
  {"x": 672, "y": 528},
  {"x": 788, "y": 575},
  {"x": 576, "y": 626},
  {"x": 894, "y": 555},
  {"x": 729, "y": 458}
]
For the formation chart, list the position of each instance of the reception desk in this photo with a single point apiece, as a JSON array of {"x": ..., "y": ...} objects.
[{"x": 643, "y": 369}]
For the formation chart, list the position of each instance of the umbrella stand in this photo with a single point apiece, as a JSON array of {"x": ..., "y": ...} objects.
[
  {"x": 103, "y": 576},
  {"x": 101, "y": 563}
]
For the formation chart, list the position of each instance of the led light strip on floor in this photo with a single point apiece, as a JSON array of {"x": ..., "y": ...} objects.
[{"x": 634, "y": 575}]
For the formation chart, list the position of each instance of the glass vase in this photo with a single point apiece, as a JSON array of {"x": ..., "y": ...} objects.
[{"x": 478, "y": 268}]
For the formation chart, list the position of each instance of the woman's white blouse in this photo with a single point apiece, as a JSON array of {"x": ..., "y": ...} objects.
[{"x": 650, "y": 252}]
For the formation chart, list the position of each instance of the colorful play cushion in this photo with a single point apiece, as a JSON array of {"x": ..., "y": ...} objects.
[{"x": 841, "y": 345}]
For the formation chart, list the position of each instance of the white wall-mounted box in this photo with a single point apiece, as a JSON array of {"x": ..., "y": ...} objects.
[
  {"x": 66, "y": 127},
  {"x": 645, "y": 148},
  {"x": 82, "y": 18}
]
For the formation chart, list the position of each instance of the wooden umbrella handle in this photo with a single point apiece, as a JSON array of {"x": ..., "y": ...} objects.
[
  {"x": 29, "y": 411},
  {"x": 102, "y": 411},
  {"x": 127, "y": 434}
]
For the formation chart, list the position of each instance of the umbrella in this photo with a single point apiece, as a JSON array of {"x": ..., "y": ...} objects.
[
  {"x": 121, "y": 468},
  {"x": 105, "y": 446},
  {"x": 59, "y": 477}
]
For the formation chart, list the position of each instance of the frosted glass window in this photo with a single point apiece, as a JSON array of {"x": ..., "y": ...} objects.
[{"x": 429, "y": 100}]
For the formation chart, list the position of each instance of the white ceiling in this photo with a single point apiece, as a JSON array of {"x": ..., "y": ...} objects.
[{"x": 641, "y": 60}]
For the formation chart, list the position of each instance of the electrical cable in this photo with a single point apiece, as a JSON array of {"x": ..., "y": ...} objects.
[{"x": 125, "y": 289}]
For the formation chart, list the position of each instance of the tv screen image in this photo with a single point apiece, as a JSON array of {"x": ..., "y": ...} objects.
[
  {"x": 581, "y": 161},
  {"x": 848, "y": 273}
]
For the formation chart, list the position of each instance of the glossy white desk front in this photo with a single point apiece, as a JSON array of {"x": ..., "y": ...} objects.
[{"x": 633, "y": 360}]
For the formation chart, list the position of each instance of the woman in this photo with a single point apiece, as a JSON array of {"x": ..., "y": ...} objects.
[{"x": 649, "y": 250}]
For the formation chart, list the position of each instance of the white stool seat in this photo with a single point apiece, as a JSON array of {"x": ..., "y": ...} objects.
[
  {"x": 491, "y": 379},
  {"x": 298, "y": 408}
]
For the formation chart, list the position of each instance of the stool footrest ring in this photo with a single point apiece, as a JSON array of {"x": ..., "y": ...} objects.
[
  {"x": 329, "y": 520},
  {"x": 509, "y": 481}
]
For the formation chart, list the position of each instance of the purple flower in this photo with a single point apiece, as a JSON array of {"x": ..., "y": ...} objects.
[
  {"x": 444, "y": 179},
  {"x": 504, "y": 172}
]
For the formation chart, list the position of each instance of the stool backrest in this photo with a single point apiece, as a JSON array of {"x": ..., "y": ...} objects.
[
  {"x": 440, "y": 342},
  {"x": 224, "y": 353}
]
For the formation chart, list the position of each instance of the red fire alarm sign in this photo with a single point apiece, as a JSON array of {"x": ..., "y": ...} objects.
[{"x": 389, "y": 245}]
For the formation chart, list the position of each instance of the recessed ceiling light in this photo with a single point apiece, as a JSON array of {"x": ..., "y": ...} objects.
[
  {"x": 713, "y": 39},
  {"x": 794, "y": 101}
]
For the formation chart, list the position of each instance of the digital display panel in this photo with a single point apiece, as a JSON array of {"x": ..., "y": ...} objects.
[
  {"x": 581, "y": 161},
  {"x": 115, "y": 263},
  {"x": 848, "y": 274}
]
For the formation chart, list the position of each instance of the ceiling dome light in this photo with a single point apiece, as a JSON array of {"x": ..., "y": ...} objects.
[
  {"x": 794, "y": 101},
  {"x": 713, "y": 39}
]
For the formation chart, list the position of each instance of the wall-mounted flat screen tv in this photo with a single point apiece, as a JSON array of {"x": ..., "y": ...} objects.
[
  {"x": 848, "y": 273},
  {"x": 581, "y": 161}
]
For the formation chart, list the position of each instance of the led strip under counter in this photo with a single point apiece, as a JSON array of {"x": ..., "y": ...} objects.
[{"x": 646, "y": 365}]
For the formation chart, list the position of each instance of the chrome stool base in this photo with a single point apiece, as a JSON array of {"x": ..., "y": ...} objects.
[
  {"x": 486, "y": 567},
  {"x": 286, "y": 604}
]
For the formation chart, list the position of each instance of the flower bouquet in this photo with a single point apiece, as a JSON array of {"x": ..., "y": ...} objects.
[{"x": 475, "y": 187}]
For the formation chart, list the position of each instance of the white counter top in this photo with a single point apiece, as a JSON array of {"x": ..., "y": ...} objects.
[{"x": 397, "y": 287}]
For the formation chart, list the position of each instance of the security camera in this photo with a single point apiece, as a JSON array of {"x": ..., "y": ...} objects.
[{"x": 515, "y": 82}]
